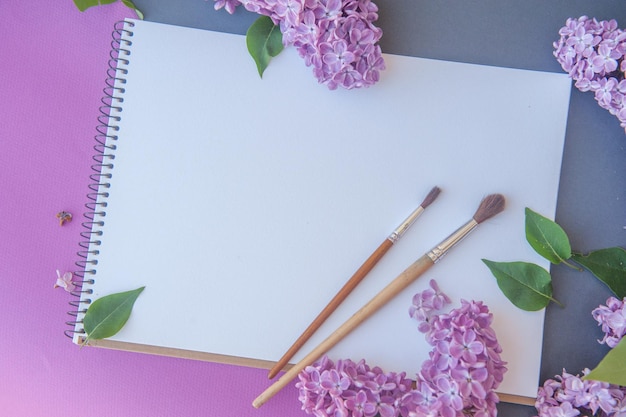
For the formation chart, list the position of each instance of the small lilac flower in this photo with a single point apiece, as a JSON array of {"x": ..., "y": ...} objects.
[
  {"x": 308, "y": 27},
  {"x": 380, "y": 383},
  {"x": 439, "y": 299},
  {"x": 619, "y": 410},
  {"x": 471, "y": 381},
  {"x": 600, "y": 397},
  {"x": 604, "y": 90},
  {"x": 333, "y": 382},
  {"x": 336, "y": 55},
  {"x": 423, "y": 396},
  {"x": 563, "y": 410},
  {"x": 385, "y": 406},
  {"x": 371, "y": 65},
  {"x": 426, "y": 303},
  {"x": 466, "y": 346},
  {"x": 328, "y": 9},
  {"x": 360, "y": 405},
  {"x": 313, "y": 382},
  {"x": 229, "y": 5},
  {"x": 360, "y": 39},
  {"x": 574, "y": 390},
  {"x": 580, "y": 40},
  {"x": 606, "y": 58},
  {"x": 65, "y": 281},
  {"x": 349, "y": 78},
  {"x": 444, "y": 359},
  {"x": 612, "y": 319},
  {"x": 449, "y": 394},
  {"x": 289, "y": 11}
]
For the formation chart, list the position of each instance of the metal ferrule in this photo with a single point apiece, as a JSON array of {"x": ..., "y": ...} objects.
[
  {"x": 401, "y": 230},
  {"x": 438, "y": 251}
]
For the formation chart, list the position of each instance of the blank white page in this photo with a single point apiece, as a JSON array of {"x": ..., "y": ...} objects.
[{"x": 244, "y": 204}]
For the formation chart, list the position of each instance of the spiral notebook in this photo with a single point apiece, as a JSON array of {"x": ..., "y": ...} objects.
[{"x": 243, "y": 204}]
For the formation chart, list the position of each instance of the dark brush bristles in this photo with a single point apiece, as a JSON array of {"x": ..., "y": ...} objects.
[
  {"x": 432, "y": 195},
  {"x": 489, "y": 207}
]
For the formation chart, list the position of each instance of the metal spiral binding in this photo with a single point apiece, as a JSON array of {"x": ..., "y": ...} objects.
[{"x": 108, "y": 126}]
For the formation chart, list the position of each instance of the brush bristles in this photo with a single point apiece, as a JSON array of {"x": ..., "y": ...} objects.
[
  {"x": 432, "y": 195},
  {"x": 489, "y": 207}
]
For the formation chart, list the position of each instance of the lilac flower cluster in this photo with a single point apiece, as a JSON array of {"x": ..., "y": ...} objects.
[
  {"x": 464, "y": 368},
  {"x": 336, "y": 37},
  {"x": 351, "y": 389},
  {"x": 612, "y": 318},
  {"x": 569, "y": 395},
  {"x": 426, "y": 304},
  {"x": 458, "y": 379},
  {"x": 593, "y": 54}
]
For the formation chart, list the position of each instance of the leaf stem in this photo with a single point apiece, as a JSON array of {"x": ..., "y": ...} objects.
[
  {"x": 572, "y": 265},
  {"x": 557, "y": 302}
]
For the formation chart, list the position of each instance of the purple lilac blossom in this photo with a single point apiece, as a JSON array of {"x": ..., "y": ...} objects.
[
  {"x": 569, "y": 395},
  {"x": 457, "y": 381},
  {"x": 336, "y": 37},
  {"x": 348, "y": 388},
  {"x": 612, "y": 319},
  {"x": 464, "y": 368},
  {"x": 593, "y": 53},
  {"x": 426, "y": 303}
]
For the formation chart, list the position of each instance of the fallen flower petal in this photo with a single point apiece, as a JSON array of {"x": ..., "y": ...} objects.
[
  {"x": 65, "y": 281},
  {"x": 64, "y": 217}
]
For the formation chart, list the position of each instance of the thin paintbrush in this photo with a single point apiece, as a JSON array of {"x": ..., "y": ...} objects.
[
  {"x": 353, "y": 282},
  {"x": 489, "y": 207}
]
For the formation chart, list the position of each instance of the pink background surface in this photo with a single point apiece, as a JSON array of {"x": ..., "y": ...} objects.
[{"x": 52, "y": 68}]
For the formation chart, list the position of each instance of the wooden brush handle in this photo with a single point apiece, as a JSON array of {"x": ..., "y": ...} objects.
[
  {"x": 390, "y": 291},
  {"x": 332, "y": 305}
]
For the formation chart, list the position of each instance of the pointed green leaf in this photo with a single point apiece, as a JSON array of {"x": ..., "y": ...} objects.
[
  {"x": 85, "y": 4},
  {"x": 264, "y": 41},
  {"x": 609, "y": 266},
  {"x": 131, "y": 5},
  {"x": 527, "y": 285},
  {"x": 612, "y": 368},
  {"x": 547, "y": 238},
  {"x": 107, "y": 315}
]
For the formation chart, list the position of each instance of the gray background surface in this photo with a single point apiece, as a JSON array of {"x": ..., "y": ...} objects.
[{"x": 519, "y": 34}]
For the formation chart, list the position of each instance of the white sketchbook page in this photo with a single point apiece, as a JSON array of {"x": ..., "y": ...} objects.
[{"x": 244, "y": 204}]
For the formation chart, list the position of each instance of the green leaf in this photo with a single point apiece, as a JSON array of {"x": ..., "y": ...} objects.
[
  {"x": 131, "y": 5},
  {"x": 547, "y": 238},
  {"x": 108, "y": 314},
  {"x": 608, "y": 265},
  {"x": 612, "y": 368},
  {"x": 264, "y": 41},
  {"x": 527, "y": 285},
  {"x": 85, "y": 4}
]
